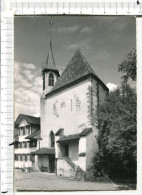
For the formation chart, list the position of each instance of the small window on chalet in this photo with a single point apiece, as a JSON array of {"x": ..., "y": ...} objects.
[
  {"x": 24, "y": 144},
  {"x": 16, "y": 145},
  {"x": 20, "y": 145},
  {"x": 52, "y": 138},
  {"x": 33, "y": 144},
  {"x": 28, "y": 129},
  {"x": 24, "y": 132},
  {"x": 28, "y": 144},
  {"x": 28, "y": 157},
  {"x": 51, "y": 79},
  {"x": 16, "y": 157},
  {"x": 19, "y": 157},
  {"x": 23, "y": 157}
]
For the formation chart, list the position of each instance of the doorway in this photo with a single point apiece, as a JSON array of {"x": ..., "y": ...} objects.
[{"x": 52, "y": 163}]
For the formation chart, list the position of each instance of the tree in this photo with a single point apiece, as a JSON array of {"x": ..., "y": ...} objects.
[
  {"x": 128, "y": 67},
  {"x": 117, "y": 135}
]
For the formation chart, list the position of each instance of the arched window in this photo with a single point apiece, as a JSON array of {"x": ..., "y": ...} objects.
[
  {"x": 52, "y": 139},
  {"x": 51, "y": 79}
]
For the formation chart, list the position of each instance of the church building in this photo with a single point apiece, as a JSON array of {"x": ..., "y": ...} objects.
[{"x": 68, "y": 116}]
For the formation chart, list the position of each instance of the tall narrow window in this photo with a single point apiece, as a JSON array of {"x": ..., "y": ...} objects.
[
  {"x": 52, "y": 139},
  {"x": 43, "y": 81},
  {"x": 19, "y": 131},
  {"x": 51, "y": 79},
  {"x": 66, "y": 150},
  {"x": 24, "y": 131},
  {"x": 28, "y": 129}
]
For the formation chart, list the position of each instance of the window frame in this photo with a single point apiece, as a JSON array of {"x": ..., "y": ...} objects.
[
  {"x": 51, "y": 79},
  {"x": 43, "y": 81},
  {"x": 52, "y": 139}
]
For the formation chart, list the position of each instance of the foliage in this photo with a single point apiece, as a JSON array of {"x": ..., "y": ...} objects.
[
  {"x": 128, "y": 67},
  {"x": 117, "y": 135}
]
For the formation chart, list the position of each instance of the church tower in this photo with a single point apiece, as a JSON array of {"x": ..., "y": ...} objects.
[{"x": 50, "y": 73}]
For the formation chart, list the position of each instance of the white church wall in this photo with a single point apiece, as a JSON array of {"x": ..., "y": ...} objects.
[
  {"x": 82, "y": 149},
  {"x": 63, "y": 168},
  {"x": 59, "y": 148},
  {"x": 91, "y": 149},
  {"x": 102, "y": 94},
  {"x": 67, "y": 109},
  {"x": 73, "y": 151}
]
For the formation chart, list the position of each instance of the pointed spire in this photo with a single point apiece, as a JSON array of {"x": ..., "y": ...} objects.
[{"x": 50, "y": 62}]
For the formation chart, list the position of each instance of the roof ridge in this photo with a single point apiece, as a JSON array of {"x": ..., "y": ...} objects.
[
  {"x": 77, "y": 68},
  {"x": 88, "y": 65},
  {"x": 29, "y": 115}
]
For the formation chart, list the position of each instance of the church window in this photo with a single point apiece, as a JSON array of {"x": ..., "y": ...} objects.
[
  {"x": 51, "y": 79},
  {"x": 52, "y": 139},
  {"x": 43, "y": 81}
]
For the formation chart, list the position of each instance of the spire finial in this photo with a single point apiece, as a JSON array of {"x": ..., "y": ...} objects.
[{"x": 50, "y": 52}]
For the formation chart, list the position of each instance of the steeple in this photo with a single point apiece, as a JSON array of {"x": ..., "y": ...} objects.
[
  {"x": 49, "y": 71},
  {"x": 50, "y": 62}
]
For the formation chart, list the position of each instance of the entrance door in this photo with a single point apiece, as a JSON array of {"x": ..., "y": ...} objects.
[{"x": 52, "y": 163}]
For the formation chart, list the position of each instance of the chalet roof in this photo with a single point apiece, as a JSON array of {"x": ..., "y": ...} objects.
[
  {"x": 44, "y": 151},
  {"x": 77, "y": 136},
  {"x": 35, "y": 135},
  {"x": 28, "y": 118}
]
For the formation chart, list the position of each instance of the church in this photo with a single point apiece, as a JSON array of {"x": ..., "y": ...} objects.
[{"x": 69, "y": 107}]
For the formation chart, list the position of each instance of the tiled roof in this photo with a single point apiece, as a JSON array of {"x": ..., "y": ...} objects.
[
  {"x": 28, "y": 118},
  {"x": 44, "y": 151},
  {"x": 66, "y": 138},
  {"x": 85, "y": 131},
  {"x": 59, "y": 131},
  {"x": 69, "y": 137},
  {"x": 77, "y": 68},
  {"x": 35, "y": 135}
]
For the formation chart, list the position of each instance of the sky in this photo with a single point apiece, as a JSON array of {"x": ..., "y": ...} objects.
[{"x": 103, "y": 40}]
